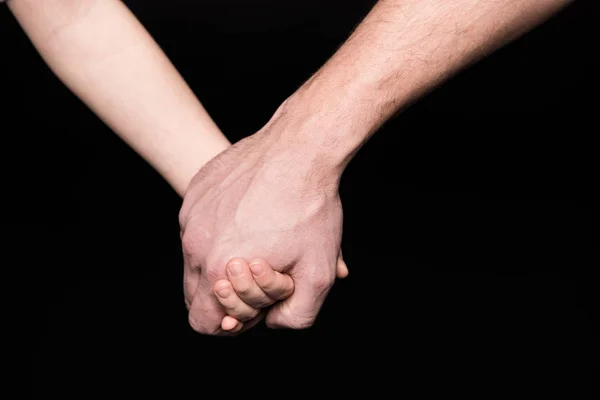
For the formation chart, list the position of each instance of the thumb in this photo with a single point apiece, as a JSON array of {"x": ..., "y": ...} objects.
[
  {"x": 300, "y": 310},
  {"x": 342, "y": 268}
]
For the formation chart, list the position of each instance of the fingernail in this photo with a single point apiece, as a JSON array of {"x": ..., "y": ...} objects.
[
  {"x": 235, "y": 269},
  {"x": 224, "y": 292},
  {"x": 257, "y": 269}
]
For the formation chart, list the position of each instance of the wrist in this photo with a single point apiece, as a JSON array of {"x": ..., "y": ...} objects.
[
  {"x": 305, "y": 141},
  {"x": 179, "y": 167},
  {"x": 321, "y": 133},
  {"x": 331, "y": 116}
]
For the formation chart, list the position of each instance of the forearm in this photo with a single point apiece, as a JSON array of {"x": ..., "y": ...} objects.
[
  {"x": 105, "y": 56},
  {"x": 402, "y": 49}
]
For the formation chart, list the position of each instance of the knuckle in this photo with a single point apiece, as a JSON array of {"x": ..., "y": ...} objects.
[
  {"x": 268, "y": 280},
  {"x": 304, "y": 324},
  {"x": 201, "y": 328},
  {"x": 190, "y": 242},
  {"x": 322, "y": 284},
  {"x": 266, "y": 284},
  {"x": 299, "y": 321},
  {"x": 259, "y": 302},
  {"x": 182, "y": 217},
  {"x": 244, "y": 289},
  {"x": 292, "y": 318},
  {"x": 288, "y": 287},
  {"x": 213, "y": 273},
  {"x": 196, "y": 242},
  {"x": 247, "y": 315},
  {"x": 214, "y": 266},
  {"x": 294, "y": 323},
  {"x": 194, "y": 324},
  {"x": 262, "y": 302}
]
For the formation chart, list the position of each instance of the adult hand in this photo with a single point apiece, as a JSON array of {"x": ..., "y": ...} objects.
[
  {"x": 263, "y": 198},
  {"x": 251, "y": 288}
]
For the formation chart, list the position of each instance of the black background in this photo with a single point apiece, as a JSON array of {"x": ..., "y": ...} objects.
[{"x": 468, "y": 219}]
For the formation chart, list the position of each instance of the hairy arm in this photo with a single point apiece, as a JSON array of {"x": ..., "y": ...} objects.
[
  {"x": 402, "y": 49},
  {"x": 280, "y": 201},
  {"x": 102, "y": 53}
]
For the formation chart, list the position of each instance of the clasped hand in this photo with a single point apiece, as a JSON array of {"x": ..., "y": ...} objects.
[{"x": 261, "y": 228}]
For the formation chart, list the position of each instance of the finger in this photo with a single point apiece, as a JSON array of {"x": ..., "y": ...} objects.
[
  {"x": 234, "y": 306},
  {"x": 231, "y": 325},
  {"x": 300, "y": 310},
  {"x": 274, "y": 284},
  {"x": 190, "y": 286},
  {"x": 245, "y": 285},
  {"x": 205, "y": 311},
  {"x": 342, "y": 269},
  {"x": 241, "y": 327}
]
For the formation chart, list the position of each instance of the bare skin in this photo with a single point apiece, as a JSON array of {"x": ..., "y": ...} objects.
[
  {"x": 105, "y": 56},
  {"x": 274, "y": 195},
  {"x": 278, "y": 202}
]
